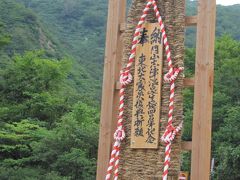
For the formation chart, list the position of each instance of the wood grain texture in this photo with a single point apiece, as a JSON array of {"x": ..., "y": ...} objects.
[
  {"x": 147, "y": 85},
  {"x": 112, "y": 65},
  {"x": 203, "y": 92},
  {"x": 191, "y": 20},
  {"x": 188, "y": 82},
  {"x": 186, "y": 145}
]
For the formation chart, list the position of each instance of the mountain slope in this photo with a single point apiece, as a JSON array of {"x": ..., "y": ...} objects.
[
  {"x": 76, "y": 28},
  {"x": 26, "y": 32},
  {"x": 227, "y": 22},
  {"x": 80, "y": 27},
  {"x": 29, "y": 32}
]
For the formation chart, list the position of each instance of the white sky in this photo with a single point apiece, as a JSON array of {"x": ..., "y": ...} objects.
[{"x": 228, "y": 2}]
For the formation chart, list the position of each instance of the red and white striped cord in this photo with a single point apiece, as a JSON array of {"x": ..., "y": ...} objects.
[
  {"x": 126, "y": 78},
  {"x": 119, "y": 134},
  {"x": 167, "y": 138},
  {"x": 170, "y": 131}
]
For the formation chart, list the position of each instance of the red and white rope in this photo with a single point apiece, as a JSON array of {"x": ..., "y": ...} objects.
[
  {"x": 119, "y": 134},
  {"x": 126, "y": 78}
]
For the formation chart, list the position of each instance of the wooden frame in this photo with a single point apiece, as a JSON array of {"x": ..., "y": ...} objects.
[
  {"x": 203, "y": 92},
  {"x": 202, "y": 83},
  {"x": 112, "y": 65}
]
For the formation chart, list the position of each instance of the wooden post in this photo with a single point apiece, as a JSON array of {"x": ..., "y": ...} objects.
[
  {"x": 204, "y": 71},
  {"x": 112, "y": 65}
]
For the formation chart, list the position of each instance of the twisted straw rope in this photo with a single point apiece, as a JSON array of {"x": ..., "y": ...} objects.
[{"x": 126, "y": 78}]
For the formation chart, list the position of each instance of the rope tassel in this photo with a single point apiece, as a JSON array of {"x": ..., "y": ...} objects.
[
  {"x": 119, "y": 134},
  {"x": 126, "y": 78}
]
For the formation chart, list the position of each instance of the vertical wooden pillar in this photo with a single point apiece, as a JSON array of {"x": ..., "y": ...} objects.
[
  {"x": 204, "y": 71},
  {"x": 112, "y": 65}
]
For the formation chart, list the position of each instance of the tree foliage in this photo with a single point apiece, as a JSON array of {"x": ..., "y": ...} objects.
[
  {"x": 49, "y": 108},
  {"x": 29, "y": 88},
  {"x": 227, "y": 147},
  {"x": 226, "y": 106},
  {"x": 42, "y": 134}
]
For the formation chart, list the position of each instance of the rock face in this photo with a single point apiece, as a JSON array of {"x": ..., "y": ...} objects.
[{"x": 144, "y": 164}]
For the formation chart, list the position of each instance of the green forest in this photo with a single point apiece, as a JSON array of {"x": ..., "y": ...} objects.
[{"x": 51, "y": 67}]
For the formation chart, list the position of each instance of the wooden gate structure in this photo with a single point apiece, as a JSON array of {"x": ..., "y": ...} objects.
[{"x": 202, "y": 83}]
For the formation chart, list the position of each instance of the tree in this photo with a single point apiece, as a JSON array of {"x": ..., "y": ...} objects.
[
  {"x": 15, "y": 142},
  {"x": 30, "y": 88},
  {"x": 226, "y": 103},
  {"x": 227, "y": 146},
  {"x": 4, "y": 37},
  {"x": 70, "y": 149},
  {"x": 42, "y": 135}
]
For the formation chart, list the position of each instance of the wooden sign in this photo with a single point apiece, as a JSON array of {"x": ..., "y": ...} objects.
[{"x": 147, "y": 88}]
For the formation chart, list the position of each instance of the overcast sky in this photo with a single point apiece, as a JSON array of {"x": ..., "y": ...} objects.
[{"x": 228, "y": 2}]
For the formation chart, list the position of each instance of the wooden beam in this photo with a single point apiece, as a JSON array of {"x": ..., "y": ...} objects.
[
  {"x": 112, "y": 65},
  {"x": 190, "y": 20},
  {"x": 186, "y": 145},
  {"x": 204, "y": 71},
  {"x": 122, "y": 27},
  {"x": 188, "y": 82},
  {"x": 117, "y": 85}
]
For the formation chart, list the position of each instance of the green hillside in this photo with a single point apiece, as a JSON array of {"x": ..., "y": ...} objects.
[
  {"x": 227, "y": 22},
  {"x": 51, "y": 65},
  {"x": 29, "y": 32},
  {"x": 79, "y": 25},
  {"x": 49, "y": 103}
]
